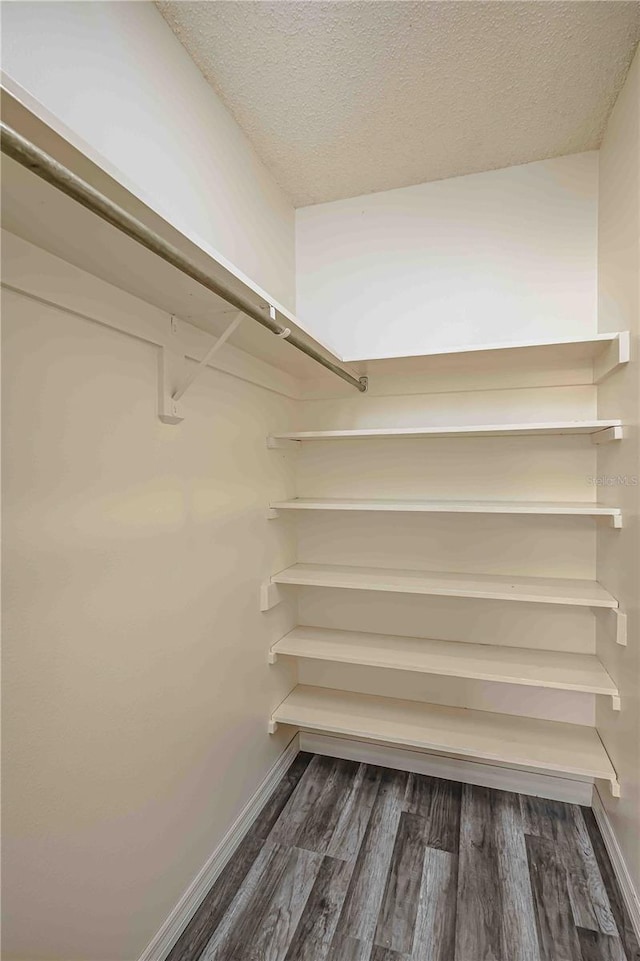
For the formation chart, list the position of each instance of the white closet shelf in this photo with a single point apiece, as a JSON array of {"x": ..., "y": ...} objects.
[
  {"x": 484, "y": 662},
  {"x": 569, "y": 749},
  {"x": 605, "y": 352},
  {"x": 541, "y": 590},
  {"x": 463, "y": 430},
  {"x": 447, "y": 506}
]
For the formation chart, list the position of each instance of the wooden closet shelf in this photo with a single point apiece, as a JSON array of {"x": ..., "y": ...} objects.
[
  {"x": 569, "y": 749},
  {"x": 485, "y": 662},
  {"x": 541, "y": 590},
  {"x": 469, "y": 430},
  {"x": 447, "y": 506}
]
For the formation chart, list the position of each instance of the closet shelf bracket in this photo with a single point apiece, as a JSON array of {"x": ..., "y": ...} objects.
[
  {"x": 172, "y": 386},
  {"x": 616, "y": 354},
  {"x": 621, "y": 626},
  {"x": 607, "y": 435},
  {"x": 614, "y": 785},
  {"x": 270, "y": 595},
  {"x": 616, "y": 704}
]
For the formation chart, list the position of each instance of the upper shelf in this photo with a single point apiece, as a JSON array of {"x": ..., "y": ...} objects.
[
  {"x": 593, "y": 427},
  {"x": 572, "y": 508},
  {"x": 33, "y": 210},
  {"x": 602, "y": 353}
]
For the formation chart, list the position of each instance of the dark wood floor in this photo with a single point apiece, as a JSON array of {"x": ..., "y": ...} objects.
[{"x": 349, "y": 862}]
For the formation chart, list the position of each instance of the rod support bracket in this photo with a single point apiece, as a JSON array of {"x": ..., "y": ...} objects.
[
  {"x": 273, "y": 316},
  {"x": 170, "y": 367},
  {"x": 364, "y": 380}
]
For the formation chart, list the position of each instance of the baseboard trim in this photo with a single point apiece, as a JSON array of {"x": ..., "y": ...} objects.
[
  {"x": 620, "y": 869},
  {"x": 188, "y": 904},
  {"x": 450, "y": 768}
]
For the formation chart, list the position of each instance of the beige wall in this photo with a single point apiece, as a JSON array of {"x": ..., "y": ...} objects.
[
  {"x": 619, "y": 465},
  {"x": 128, "y": 94},
  {"x": 136, "y": 685},
  {"x": 499, "y": 256}
]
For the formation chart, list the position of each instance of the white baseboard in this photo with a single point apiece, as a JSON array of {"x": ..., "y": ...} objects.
[
  {"x": 451, "y": 769},
  {"x": 627, "y": 889},
  {"x": 188, "y": 904}
]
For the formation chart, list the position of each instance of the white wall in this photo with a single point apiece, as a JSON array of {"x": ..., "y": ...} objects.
[
  {"x": 619, "y": 464},
  {"x": 136, "y": 685},
  {"x": 118, "y": 78},
  {"x": 499, "y": 256}
]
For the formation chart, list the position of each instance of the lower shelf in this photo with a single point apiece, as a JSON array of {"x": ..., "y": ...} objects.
[{"x": 525, "y": 742}]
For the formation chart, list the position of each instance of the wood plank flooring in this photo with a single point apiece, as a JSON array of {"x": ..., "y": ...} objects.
[{"x": 350, "y": 862}]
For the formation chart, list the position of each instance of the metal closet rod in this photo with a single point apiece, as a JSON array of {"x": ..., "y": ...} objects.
[{"x": 43, "y": 165}]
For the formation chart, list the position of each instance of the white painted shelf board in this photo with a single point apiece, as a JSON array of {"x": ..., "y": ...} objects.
[
  {"x": 541, "y": 590},
  {"x": 462, "y": 430},
  {"x": 485, "y": 662},
  {"x": 448, "y": 507},
  {"x": 577, "y": 348},
  {"x": 539, "y": 744}
]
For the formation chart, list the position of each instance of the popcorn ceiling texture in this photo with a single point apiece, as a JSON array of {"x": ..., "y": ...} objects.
[{"x": 348, "y": 98}]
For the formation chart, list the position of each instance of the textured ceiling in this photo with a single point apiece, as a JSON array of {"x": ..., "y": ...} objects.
[{"x": 346, "y": 98}]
